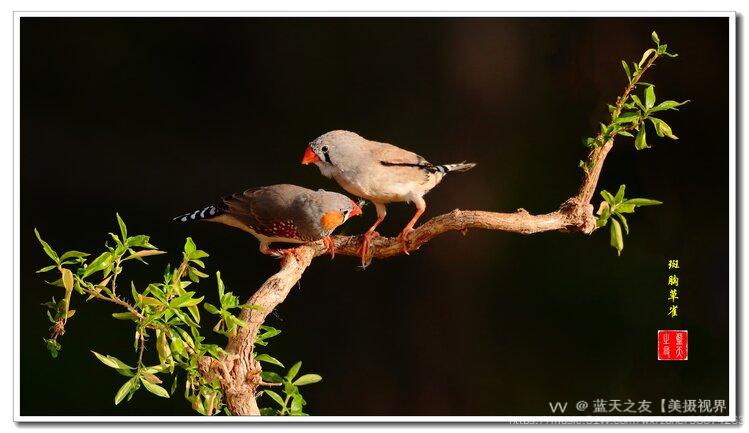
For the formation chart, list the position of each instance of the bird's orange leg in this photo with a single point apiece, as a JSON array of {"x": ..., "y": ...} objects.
[
  {"x": 403, "y": 236},
  {"x": 371, "y": 233},
  {"x": 330, "y": 246}
]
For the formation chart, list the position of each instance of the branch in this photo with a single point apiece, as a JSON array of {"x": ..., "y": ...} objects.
[{"x": 574, "y": 215}]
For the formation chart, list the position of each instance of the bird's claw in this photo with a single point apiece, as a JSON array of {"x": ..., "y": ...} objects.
[
  {"x": 364, "y": 248},
  {"x": 403, "y": 239},
  {"x": 283, "y": 252},
  {"x": 330, "y": 246}
]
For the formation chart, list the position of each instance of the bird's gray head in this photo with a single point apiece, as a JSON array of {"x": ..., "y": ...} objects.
[
  {"x": 334, "y": 209},
  {"x": 331, "y": 150}
]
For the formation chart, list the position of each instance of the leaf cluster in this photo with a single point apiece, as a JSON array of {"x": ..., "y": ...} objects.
[
  {"x": 631, "y": 112},
  {"x": 164, "y": 313},
  {"x": 289, "y": 400},
  {"x": 613, "y": 208}
]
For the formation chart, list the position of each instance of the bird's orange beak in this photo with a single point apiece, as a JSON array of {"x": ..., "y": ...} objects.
[
  {"x": 309, "y": 156},
  {"x": 356, "y": 210}
]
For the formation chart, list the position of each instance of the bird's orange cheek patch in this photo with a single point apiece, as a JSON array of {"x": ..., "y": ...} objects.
[{"x": 331, "y": 220}]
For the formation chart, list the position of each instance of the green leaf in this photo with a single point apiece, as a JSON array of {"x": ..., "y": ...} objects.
[
  {"x": 293, "y": 371},
  {"x": 617, "y": 241},
  {"x": 643, "y": 202},
  {"x": 124, "y": 390},
  {"x": 198, "y": 254},
  {"x": 296, "y": 404},
  {"x": 645, "y": 56},
  {"x": 111, "y": 361},
  {"x": 46, "y": 269},
  {"x": 67, "y": 279},
  {"x": 99, "y": 264},
  {"x": 625, "y": 208},
  {"x": 268, "y": 411},
  {"x": 178, "y": 346},
  {"x": 608, "y": 197},
  {"x": 662, "y": 128},
  {"x": 139, "y": 241},
  {"x": 667, "y": 105},
  {"x": 53, "y": 346},
  {"x": 235, "y": 320},
  {"x": 620, "y": 194},
  {"x": 125, "y": 316},
  {"x": 189, "y": 246},
  {"x": 640, "y": 140},
  {"x": 626, "y": 71},
  {"x": 220, "y": 284},
  {"x": 289, "y": 388},
  {"x": 47, "y": 249},
  {"x": 604, "y": 212},
  {"x": 154, "y": 389},
  {"x": 625, "y": 133},
  {"x": 123, "y": 227},
  {"x": 627, "y": 118},
  {"x": 638, "y": 102},
  {"x": 649, "y": 97},
  {"x": 116, "y": 240},
  {"x": 73, "y": 254},
  {"x": 269, "y": 359},
  {"x": 210, "y": 308},
  {"x": 307, "y": 379},
  {"x": 654, "y": 36},
  {"x": 194, "y": 311},
  {"x": 271, "y": 377},
  {"x": 185, "y": 300},
  {"x": 624, "y": 222},
  {"x": 277, "y": 398}
]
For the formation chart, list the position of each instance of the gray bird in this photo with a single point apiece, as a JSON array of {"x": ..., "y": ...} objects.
[
  {"x": 379, "y": 172},
  {"x": 281, "y": 213}
]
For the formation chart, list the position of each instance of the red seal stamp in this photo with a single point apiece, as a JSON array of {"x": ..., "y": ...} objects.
[{"x": 672, "y": 345}]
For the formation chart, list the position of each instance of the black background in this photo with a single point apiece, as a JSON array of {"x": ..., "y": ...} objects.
[{"x": 153, "y": 117}]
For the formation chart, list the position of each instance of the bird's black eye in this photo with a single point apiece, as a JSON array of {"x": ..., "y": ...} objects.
[{"x": 324, "y": 148}]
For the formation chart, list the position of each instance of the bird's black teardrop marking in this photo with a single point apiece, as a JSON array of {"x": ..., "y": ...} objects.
[{"x": 327, "y": 157}]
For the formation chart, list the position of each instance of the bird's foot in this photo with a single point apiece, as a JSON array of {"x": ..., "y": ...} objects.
[
  {"x": 403, "y": 239},
  {"x": 363, "y": 250},
  {"x": 282, "y": 252},
  {"x": 330, "y": 246}
]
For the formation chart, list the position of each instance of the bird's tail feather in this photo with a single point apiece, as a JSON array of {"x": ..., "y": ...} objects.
[
  {"x": 206, "y": 212},
  {"x": 461, "y": 166}
]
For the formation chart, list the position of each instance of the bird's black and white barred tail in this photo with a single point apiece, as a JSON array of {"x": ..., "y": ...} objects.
[
  {"x": 447, "y": 168},
  {"x": 207, "y": 212}
]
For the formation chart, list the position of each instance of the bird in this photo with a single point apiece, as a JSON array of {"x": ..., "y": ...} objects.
[
  {"x": 378, "y": 172},
  {"x": 281, "y": 213}
]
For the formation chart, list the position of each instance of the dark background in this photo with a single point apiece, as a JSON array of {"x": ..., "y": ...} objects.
[{"x": 154, "y": 117}]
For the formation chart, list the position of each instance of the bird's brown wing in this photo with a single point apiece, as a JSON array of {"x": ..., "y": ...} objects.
[
  {"x": 263, "y": 209},
  {"x": 242, "y": 206}
]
